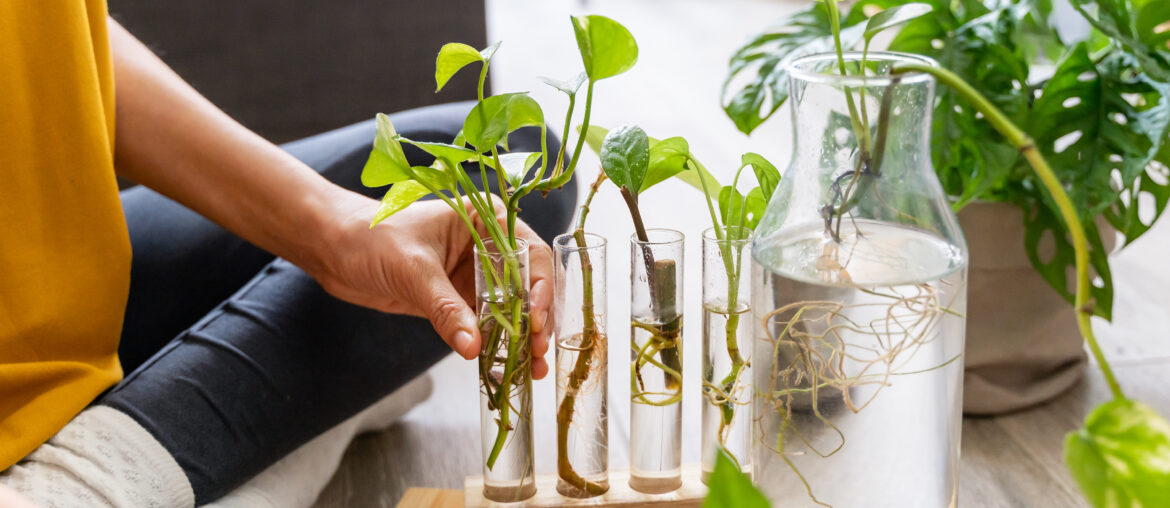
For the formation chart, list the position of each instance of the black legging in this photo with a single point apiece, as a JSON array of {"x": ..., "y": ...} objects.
[{"x": 239, "y": 358}]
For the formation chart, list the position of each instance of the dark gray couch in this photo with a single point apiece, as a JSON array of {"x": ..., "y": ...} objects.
[{"x": 292, "y": 68}]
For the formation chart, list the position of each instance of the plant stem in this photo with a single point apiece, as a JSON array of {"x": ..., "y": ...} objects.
[
  {"x": 658, "y": 275},
  {"x": 590, "y": 339},
  {"x": 1027, "y": 147}
]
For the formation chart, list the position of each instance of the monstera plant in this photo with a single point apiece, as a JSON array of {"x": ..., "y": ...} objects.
[{"x": 1101, "y": 117}]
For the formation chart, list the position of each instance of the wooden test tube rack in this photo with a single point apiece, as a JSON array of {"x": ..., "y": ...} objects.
[{"x": 620, "y": 495}]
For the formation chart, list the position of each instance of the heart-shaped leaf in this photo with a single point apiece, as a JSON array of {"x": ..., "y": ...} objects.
[
  {"x": 570, "y": 87},
  {"x": 1121, "y": 457},
  {"x": 729, "y": 488},
  {"x": 695, "y": 177},
  {"x": 490, "y": 51},
  {"x": 387, "y": 164},
  {"x": 516, "y": 165},
  {"x": 756, "y": 203},
  {"x": 451, "y": 153},
  {"x": 667, "y": 158},
  {"x": 766, "y": 174},
  {"x": 625, "y": 156},
  {"x": 731, "y": 206},
  {"x": 607, "y": 48},
  {"x": 452, "y": 57},
  {"x": 400, "y": 195},
  {"x": 490, "y": 121}
]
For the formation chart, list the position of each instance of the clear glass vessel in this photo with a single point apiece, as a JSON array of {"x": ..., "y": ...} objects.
[
  {"x": 859, "y": 299},
  {"x": 505, "y": 372},
  {"x": 582, "y": 356},
  {"x": 656, "y": 308},
  {"x": 727, "y": 347}
]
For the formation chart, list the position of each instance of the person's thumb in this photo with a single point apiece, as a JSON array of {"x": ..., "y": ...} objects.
[{"x": 448, "y": 312}]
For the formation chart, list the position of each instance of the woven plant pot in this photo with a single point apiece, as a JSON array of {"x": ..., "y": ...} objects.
[{"x": 1023, "y": 346}]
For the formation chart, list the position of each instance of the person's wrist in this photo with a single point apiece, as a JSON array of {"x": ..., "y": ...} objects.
[{"x": 332, "y": 220}]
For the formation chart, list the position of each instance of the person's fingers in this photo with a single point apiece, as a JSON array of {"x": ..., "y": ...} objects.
[
  {"x": 445, "y": 307},
  {"x": 539, "y": 367},
  {"x": 464, "y": 281},
  {"x": 540, "y": 273}
]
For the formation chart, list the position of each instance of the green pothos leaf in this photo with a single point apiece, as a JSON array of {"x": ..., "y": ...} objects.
[
  {"x": 569, "y": 87},
  {"x": 492, "y": 119},
  {"x": 387, "y": 164},
  {"x": 625, "y": 156},
  {"x": 450, "y": 153},
  {"x": 731, "y": 206},
  {"x": 516, "y": 165},
  {"x": 400, "y": 195},
  {"x": 729, "y": 488},
  {"x": 452, "y": 57},
  {"x": 755, "y": 204},
  {"x": 594, "y": 137},
  {"x": 668, "y": 157},
  {"x": 607, "y": 48},
  {"x": 766, "y": 174},
  {"x": 1121, "y": 457}
]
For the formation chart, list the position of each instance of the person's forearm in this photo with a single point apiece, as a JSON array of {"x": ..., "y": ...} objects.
[{"x": 171, "y": 139}]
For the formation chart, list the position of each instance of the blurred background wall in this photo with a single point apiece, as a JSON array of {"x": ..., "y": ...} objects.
[{"x": 292, "y": 68}]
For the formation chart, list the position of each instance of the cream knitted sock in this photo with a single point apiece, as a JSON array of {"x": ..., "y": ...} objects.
[{"x": 101, "y": 458}]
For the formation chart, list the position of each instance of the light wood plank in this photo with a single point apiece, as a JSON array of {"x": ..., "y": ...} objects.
[{"x": 416, "y": 497}]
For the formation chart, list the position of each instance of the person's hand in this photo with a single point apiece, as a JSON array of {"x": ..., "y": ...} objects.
[{"x": 420, "y": 262}]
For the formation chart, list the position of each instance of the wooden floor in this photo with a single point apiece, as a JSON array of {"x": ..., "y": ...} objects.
[{"x": 1007, "y": 461}]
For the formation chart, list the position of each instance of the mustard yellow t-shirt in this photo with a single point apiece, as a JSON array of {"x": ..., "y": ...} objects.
[{"x": 64, "y": 250}]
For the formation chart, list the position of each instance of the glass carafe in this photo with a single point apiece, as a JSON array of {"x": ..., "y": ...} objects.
[{"x": 858, "y": 299}]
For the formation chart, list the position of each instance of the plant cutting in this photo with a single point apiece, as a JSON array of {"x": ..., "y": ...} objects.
[
  {"x": 726, "y": 344},
  {"x": 633, "y": 163},
  {"x": 606, "y": 50},
  {"x": 738, "y": 213},
  {"x": 1119, "y": 458}
]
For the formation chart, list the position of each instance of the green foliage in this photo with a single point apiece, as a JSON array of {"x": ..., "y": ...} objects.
[
  {"x": 1121, "y": 457},
  {"x": 1084, "y": 99},
  {"x": 625, "y": 157},
  {"x": 1108, "y": 104},
  {"x": 570, "y": 87},
  {"x": 516, "y": 165},
  {"x": 892, "y": 17},
  {"x": 667, "y": 158},
  {"x": 757, "y": 82},
  {"x": 397, "y": 198},
  {"x": 766, "y": 173},
  {"x": 492, "y": 119},
  {"x": 387, "y": 164},
  {"x": 450, "y": 153},
  {"x": 454, "y": 56},
  {"x": 729, "y": 488},
  {"x": 607, "y": 48},
  {"x": 1132, "y": 25}
]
